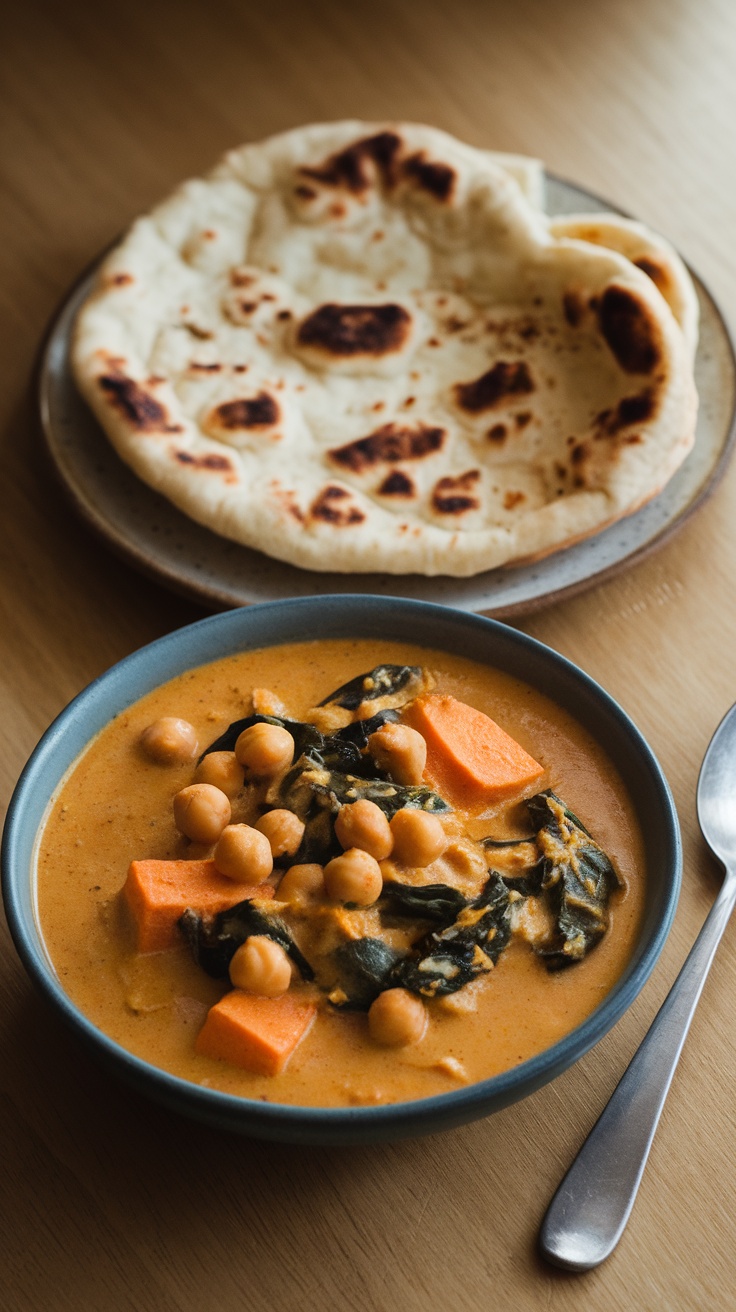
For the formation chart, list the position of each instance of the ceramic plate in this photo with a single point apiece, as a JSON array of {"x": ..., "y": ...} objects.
[{"x": 157, "y": 538}]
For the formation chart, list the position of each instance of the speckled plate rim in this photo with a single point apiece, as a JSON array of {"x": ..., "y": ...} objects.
[
  {"x": 221, "y": 574},
  {"x": 274, "y": 623}
]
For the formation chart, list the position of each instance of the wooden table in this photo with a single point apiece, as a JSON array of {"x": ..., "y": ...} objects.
[{"x": 108, "y": 1202}]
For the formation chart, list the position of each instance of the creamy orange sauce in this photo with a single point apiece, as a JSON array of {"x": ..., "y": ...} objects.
[{"x": 116, "y": 806}]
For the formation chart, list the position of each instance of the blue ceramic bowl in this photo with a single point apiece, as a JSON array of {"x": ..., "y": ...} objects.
[{"x": 482, "y": 640}]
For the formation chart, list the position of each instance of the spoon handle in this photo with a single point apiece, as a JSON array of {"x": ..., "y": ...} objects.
[{"x": 588, "y": 1214}]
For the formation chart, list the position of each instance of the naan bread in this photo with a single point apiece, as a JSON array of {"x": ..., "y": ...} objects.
[{"x": 363, "y": 347}]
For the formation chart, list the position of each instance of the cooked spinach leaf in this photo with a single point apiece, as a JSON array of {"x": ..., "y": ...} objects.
[
  {"x": 577, "y": 880},
  {"x": 438, "y": 902},
  {"x": 366, "y": 966},
  {"x": 447, "y": 959},
  {"x": 529, "y": 884},
  {"x": 341, "y": 789},
  {"x": 215, "y": 940},
  {"x": 383, "y": 681},
  {"x": 361, "y": 730},
  {"x": 539, "y": 810},
  {"x": 449, "y": 968}
]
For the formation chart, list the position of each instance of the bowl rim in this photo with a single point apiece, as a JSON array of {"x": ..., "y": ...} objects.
[{"x": 285, "y": 1120}]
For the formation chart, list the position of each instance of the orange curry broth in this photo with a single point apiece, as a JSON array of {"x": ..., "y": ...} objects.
[{"x": 115, "y": 806}]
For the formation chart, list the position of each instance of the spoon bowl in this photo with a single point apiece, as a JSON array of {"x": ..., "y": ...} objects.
[{"x": 716, "y": 795}]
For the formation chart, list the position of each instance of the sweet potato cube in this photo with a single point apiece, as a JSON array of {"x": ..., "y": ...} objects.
[
  {"x": 471, "y": 761},
  {"x": 158, "y": 892},
  {"x": 257, "y": 1033}
]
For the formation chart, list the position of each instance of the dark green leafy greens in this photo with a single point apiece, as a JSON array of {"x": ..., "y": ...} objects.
[
  {"x": 366, "y": 967},
  {"x": 468, "y": 937},
  {"x": 434, "y": 902},
  {"x": 447, "y": 959},
  {"x": 361, "y": 730},
  {"x": 575, "y": 877},
  {"x": 215, "y": 940},
  {"x": 457, "y": 938},
  {"x": 341, "y": 789},
  {"x": 529, "y": 884},
  {"x": 396, "y": 681}
]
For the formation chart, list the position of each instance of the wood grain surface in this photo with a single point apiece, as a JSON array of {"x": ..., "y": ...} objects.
[{"x": 107, "y": 1201}]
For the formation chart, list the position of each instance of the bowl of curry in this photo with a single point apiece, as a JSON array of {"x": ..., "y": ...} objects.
[{"x": 341, "y": 869}]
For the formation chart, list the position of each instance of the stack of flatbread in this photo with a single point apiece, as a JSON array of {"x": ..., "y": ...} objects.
[{"x": 364, "y": 347}]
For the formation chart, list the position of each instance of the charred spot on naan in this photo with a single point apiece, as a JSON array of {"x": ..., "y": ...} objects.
[
  {"x": 334, "y": 505},
  {"x": 397, "y": 484},
  {"x": 453, "y": 496},
  {"x": 119, "y": 280},
  {"x": 378, "y": 161},
  {"x": 574, "y": 306},
  {"x": 260, "y": 411},
  {"x": 636, "y": 409},
  {"x": 630, "y": 330},
  {"x": 210, "y": 463},
  {"x": 498, "y": 432},
  {"x": 658, "y": 271},
  {"x": 258, "y": 414},
  {"x": 506, "y": 379},
  {"x": 196, "y": 330},
  {"x": 359, "y": 165},
  {"x": 390, "y": 444},
  {"x": 251, "y": 290},
  {"x": 579, "y": 473},
  {"x": 345, "y": 331},
  {"x": 431, "y": 175},
  {"x": 141, "y": 411}
]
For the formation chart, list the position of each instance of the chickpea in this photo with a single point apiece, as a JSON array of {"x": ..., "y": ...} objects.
[
  {"x": 354, "y": 877},
  {"x": 169, "y": 741},
  {"x": 301, "y": 883},
  {"x": 243, "y": 855},
  {"x": 363, "y": 824},
  {"x": 201, "y": 812},
  {"x": 418, "y": 837},
  {"x": 284, "y": 831},
  {"x": 222, "y": 770},
  {"x": 265, "y": 750},
  {"x": 399, "y": 750},
  {"x": 261, "y": 966},
  {"x": 397, "y": 1018}
]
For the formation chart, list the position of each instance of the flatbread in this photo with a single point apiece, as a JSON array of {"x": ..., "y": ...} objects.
[{"x": 362, "y": 347}]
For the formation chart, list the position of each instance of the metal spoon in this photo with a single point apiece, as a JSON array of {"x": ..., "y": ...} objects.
[{"x": 588, "y": 1214}]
